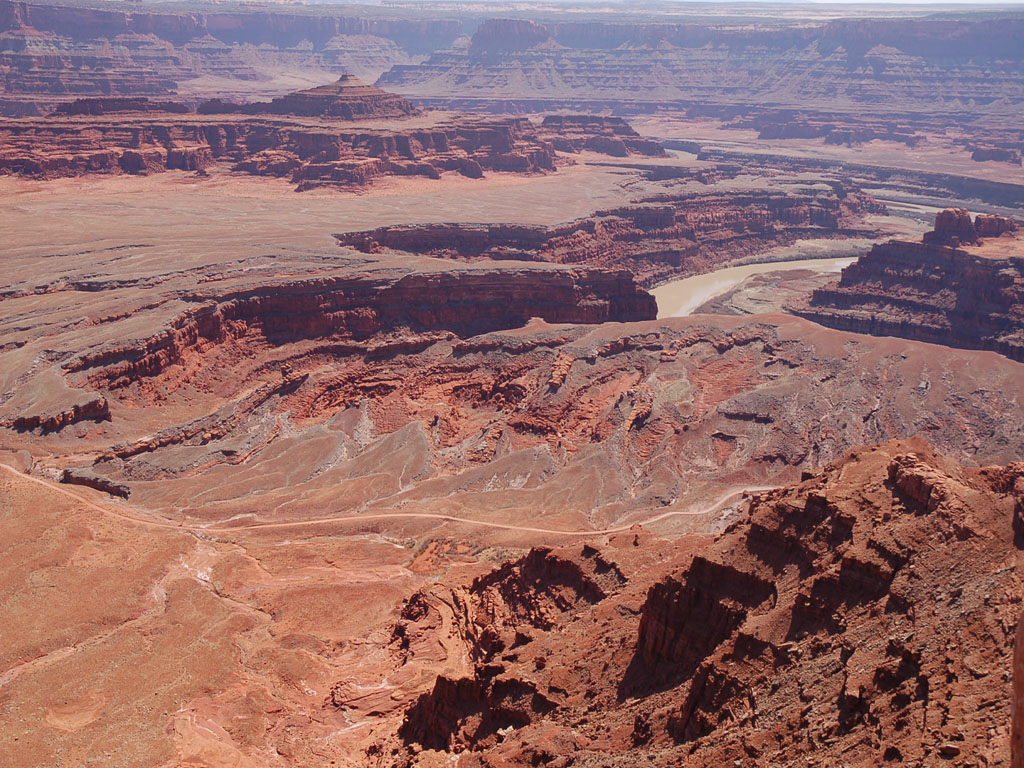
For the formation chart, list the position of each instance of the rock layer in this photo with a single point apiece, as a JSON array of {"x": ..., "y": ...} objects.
[
  {"x": 325, "y": 154},
  {"x": 656, "y": 237},
  {"x": 890, "y": 64},
  {"x": 963, "y": 285},
  {"x": 55, "y": 53}
]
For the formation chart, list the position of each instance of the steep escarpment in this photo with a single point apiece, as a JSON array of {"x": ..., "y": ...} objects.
[
  {"x": 494, "y": 616},
  {"x": 495, "y": 36},
  {"x": 656, "y": 237},
  {"x": 963, "y": 286},
  {"x": 358, "y": 308},
  {"x": 866, "y": 612},
  {"x": 892, "y": 65},
  {"x": 331, "y": 154}
]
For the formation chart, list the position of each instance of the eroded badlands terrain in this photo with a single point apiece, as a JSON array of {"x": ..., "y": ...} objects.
[{"x": 340, "y": 424}]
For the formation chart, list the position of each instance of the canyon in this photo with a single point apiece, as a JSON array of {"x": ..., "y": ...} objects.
[
  {"x": 435, "y": 384},
  {"x": 655, "y": 237}
]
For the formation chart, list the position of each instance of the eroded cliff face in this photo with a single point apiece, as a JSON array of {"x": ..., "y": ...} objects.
[
  {"x": 101, "y": 136},
  {"x": 892, "y": 64},
  {"x": 963, "y": 285},
  {"x": 656, "y": 237},
  {"x": 866, "y": 612},
  {"x": 382, "y": 315}
]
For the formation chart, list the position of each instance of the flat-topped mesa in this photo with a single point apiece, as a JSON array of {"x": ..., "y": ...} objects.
[
  {"x": 597, "y": 133},
  {"x": 113, "y": 104},
  {"x": 348, "y": 98},
  {"x": 506, "y": 35},
  {"x": 962, "y": 285}
]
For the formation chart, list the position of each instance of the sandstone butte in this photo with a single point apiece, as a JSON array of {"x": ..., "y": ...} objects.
[
  {"x": 348, "y": 98},
  {"x": 962, "y": 285}
]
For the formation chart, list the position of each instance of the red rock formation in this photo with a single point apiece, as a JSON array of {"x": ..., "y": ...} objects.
[
  {"x": 328, "y": 154},
  {"x": 607, "y": 135},
  {"x": 97, "y": 482},
  {"x": 348, "y": 98},
  {"x": 103, "y": 106},
  {"x": 656, "y": 238},
  {"x": 498, "y": 613},
  {"x": 992, "y": 225},
  {"x": 954, "y": 227},
  {"x": 935, "y": 290},
  {"x": 358, "y": 308},
  {"x": 863, "y": 615},
  {"x": 94, "y": 409}
]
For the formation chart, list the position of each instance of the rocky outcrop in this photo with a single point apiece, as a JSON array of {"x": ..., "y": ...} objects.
[
  {"x": 323, "y": 155},
  {"x": 805, "y": 124},
  {"x": 497, "y": 614},
  {"x": 867, "y": 611},
  {"x": 824, "y": 563},
  {"x": 963, "y": 285},
  {"x": 464, "y": 302},
  {"x": 953, "y": 227},
  {"x": 348, "y": 98},
  {"x": 656, "y": 238},
  {"x": 998, "y": 154},
  {"x": 93, "y": 409},
  {"x": 97, "y": 482},
  {"x": 606, "y": 135},
  {"x": 105, "y": 106}
]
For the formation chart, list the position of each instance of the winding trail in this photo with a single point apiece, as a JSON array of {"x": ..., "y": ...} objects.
[{"x": 212, "y": 528}]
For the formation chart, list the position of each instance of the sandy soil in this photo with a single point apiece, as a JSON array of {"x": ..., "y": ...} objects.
[{"x": 191, "y": 218}]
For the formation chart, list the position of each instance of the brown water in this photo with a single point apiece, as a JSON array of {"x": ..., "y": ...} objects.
[{"x": 681, "y": 297}]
